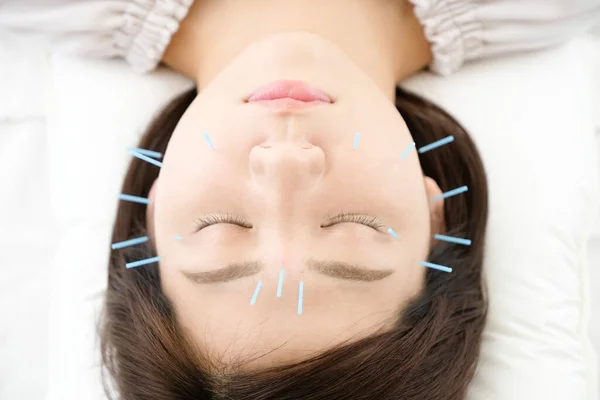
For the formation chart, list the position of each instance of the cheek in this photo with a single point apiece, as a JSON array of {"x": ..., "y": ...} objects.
[{"x": 202, "y": 157}]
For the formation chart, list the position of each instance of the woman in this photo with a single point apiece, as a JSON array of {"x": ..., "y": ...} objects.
[{"x": 296, "y": 223}]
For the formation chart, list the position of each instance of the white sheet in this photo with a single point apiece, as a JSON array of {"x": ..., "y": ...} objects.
[
  {"x": 594, "y": 245},
  {"x": 27, "y": 231}
]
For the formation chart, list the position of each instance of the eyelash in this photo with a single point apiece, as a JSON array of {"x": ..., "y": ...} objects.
[
  {"x": 368, "y": 220},
  {"x": 212, "y": 219}
]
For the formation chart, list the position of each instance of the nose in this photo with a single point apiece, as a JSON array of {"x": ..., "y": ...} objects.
[{"x": 287, "y": 167}]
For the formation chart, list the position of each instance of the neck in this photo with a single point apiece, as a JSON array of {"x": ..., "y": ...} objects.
[{"x": 382, "y": 37}]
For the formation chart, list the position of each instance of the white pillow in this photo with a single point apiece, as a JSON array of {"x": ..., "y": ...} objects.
[{"x": 530, "y": 116}]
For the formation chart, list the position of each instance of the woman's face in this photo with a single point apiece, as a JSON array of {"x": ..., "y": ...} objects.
[{"x": 275, "y": 184}]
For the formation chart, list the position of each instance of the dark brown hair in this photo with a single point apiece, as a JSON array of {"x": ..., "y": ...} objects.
[{"x": 430, "y": 353}]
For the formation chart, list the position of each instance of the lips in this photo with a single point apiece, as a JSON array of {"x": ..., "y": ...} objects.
[{"x": 287, "y": 89}]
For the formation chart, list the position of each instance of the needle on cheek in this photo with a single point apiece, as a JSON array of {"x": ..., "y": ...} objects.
[
  {"x": 452, "y": 239},
  {"x": 210, "y": 143},
  {"x": 146, "y": 158},
  {"x": 436, "y": 144},
  {"x": 279, "y": 286},
  {"x": 146, "y": 152},
  {"x": 435, "y": 266},
  {"x": 134, "y": 199},
  {"x": 403, "y": 156},
  {"x": 452, "y": 192},
  {"x": 356, "y": 139},
  {"x": 139, "y": 263},
  {"x": 130, "y": 242}
]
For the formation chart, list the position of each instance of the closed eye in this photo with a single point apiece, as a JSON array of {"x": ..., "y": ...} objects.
[
  {"x": 368, "y": 220},
  {"x": 213, "y": 219}
]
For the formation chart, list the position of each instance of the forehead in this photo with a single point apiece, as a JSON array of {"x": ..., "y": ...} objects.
[{"x": 233, "y": 328}]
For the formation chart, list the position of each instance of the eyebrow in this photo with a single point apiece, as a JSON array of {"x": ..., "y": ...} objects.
[{"x": 332, "y": 269}]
